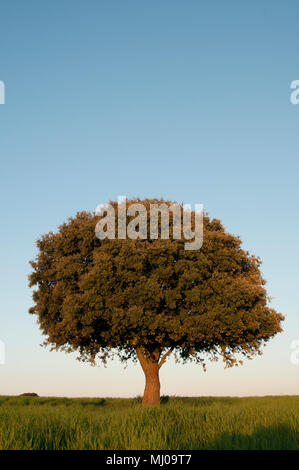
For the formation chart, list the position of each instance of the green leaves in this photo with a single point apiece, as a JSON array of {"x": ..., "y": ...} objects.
[{"x": 96, "y": 296}]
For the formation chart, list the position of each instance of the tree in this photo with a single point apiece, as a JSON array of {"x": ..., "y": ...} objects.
[{"x": 143, "y": 299}]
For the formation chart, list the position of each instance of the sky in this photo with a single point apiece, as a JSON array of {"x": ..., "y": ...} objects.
[{"x": 189, "y": 101}]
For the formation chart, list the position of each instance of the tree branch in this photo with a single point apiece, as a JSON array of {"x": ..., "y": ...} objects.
[
  {"x": 164, "y": 357},
  {"x": 141, "y": 358},
  {"x": 145, "y": 357}
]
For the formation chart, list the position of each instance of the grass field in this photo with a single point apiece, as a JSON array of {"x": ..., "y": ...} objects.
[{"x": 179, "y": 423}]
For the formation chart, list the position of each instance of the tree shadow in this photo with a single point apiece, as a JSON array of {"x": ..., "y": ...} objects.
[
  {"x": 91, "y": 402},
  {"x": 204, "y": 401},
  {"x": 164, "y": 399},
  {"x": 275, "y": 437}
]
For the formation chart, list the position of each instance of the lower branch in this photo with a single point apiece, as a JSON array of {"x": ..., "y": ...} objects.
[{"x": 163, "y": 359}]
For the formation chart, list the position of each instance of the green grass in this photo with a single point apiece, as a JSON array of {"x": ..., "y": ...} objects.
[{"x": 179, "y": 423}]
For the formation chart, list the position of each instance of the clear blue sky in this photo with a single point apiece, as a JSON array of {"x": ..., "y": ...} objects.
[{"x": 186, "y": 100}]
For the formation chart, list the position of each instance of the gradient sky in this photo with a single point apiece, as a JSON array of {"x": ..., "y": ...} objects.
[{"x": 185, "y": 100}]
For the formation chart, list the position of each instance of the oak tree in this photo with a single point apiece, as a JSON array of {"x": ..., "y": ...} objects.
[{"x": 144, "y": 299}]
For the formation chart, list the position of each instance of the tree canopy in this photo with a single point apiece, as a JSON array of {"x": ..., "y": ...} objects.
[{"x": 143, "y": 299}]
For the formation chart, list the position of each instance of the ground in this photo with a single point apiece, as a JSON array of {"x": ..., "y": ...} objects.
[{"x": 179, "y": 423}]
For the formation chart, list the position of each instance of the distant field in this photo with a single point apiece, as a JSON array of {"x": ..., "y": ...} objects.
[{"x": 179, "y": 423}]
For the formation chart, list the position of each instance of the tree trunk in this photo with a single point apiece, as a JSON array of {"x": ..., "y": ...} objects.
[
  {"x": 150, "y": 366},
  {"x": 151, "y": 396}
]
